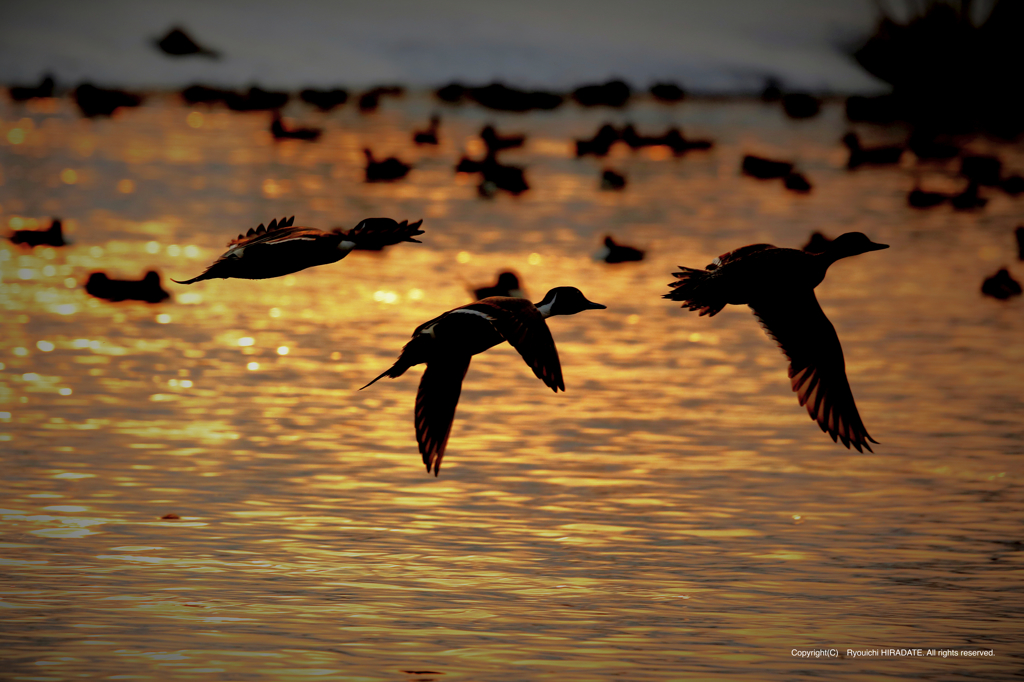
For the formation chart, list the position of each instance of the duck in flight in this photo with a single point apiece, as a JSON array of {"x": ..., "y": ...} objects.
[
  {"x": 447, "y": 343},
  {"x": 778, "y": 285},
  {"x": 281, "y": 248}
]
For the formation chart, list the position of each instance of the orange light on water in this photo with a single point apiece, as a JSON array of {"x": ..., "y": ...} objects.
[
  {"x": 126, "y": 186},
  {"x": 68, "y": 176},
  {"x": 194, "y": 120}
]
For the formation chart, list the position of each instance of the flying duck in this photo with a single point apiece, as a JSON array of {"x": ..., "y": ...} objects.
[
  {"x": 778, "y": 285},
  {"x": 281, "y": 249},
  {"x": 447, "y": 344}
]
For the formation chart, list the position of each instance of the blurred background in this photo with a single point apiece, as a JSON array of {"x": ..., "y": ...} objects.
[{"x": 194, "y": 485}]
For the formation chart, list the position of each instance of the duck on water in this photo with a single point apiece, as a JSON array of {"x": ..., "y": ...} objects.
[
  {"x": 281, "y": 248},
  {"x": 448, "y": 342},
  {"x": 778, "y": 285}
]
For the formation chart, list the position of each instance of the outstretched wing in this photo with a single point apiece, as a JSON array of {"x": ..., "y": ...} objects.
[
  {"x": 436, "y": 400},
  {"x": 375, "y": 233},
  {"x": 521, "y": 324},
  {"x": 816, "y": 366},
  {"x": 275, "y": 229}
]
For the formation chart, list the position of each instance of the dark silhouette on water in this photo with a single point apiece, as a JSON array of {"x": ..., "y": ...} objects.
[
  {"x": 494, "y": 175},
  {"x": 502, "y": 98},
  {"x": 800, "y": 105},
  {"x": 1001, "y": 285},
  {"x": 613, "y": 252},
  {"x": 507, "y": 285},
  {"x": 615, "y": 93},
  {"x": 765, "y": 169},
  {"x": 796, "y": 182},
  {"x": 22, "y": 93},
  {"x": 671, "y": 138},
  {"x": 51, "y": 236},
  {"x": 448, "y": 342},
  {"x": 324, "y": 100},
  {"x": 279, "y": 132},
  {"x": 257, "y": 99},
  {"x": 147, "y": 289},
  {"x": 610, "y": 180},
  {"x": 428, "y": 136},
  {"x": 930, "y": 146},
  {"x": 384, "y": 171},
  {"x": 667, "y": 92},
  {"x": 1019, "y": 234},
  {"x": 93, "y": 101},
  {"x": 968, "y": 200},
  {"x": 496, "y": 142},
  {"x": 177, "y": 43},
  {"x": 918, "y": 198},
  {"x": 1013, "y": 185},
  {"x": 870, "y": 156},
  {"x": 600, "y": 144},
  {"x": 370, "y": 100},
  {"x": 878, "y": 109},
  {"x": 204, "y": 94},
  {"x": 778, "y": 285},
  {"x": 983, "y": 170},
  {"x": 281, "y": 249}
]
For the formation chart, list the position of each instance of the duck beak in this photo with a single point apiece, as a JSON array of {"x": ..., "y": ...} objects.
[
  {"x": 877, "y": 247},
  {"x": 594, "y": 306}
]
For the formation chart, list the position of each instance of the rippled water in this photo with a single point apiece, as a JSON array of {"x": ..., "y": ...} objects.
[{"x": 674, "y": 514}]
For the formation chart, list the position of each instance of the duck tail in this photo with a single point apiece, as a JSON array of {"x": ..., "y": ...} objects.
[
  {"x": 689, "y": 289},
  {"x": 414, "y": 353},
  {"x": 216, "y": 271}
]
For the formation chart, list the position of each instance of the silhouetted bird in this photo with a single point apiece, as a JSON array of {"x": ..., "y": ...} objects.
[
  {"x": 926, "y": 146},
  {"x": 667, "y": 92},
  {"x": 177, "y": 43},
  {"x": 778, "y": 285},
  {"x": 21, "y": 93},
  {"x": 613, "y": 252},
  {"x": 324, "y": 100},
  {"x": 370, "y": 100},
  {"x": 448, "y": 342},
  {"x": 918, "y": 198},
  {"x": 765, "y": 169},
  {"x": 453, "y": 93},
  {"x": 871, "y": 156},
  {"x": 600, "y": 144},
  {"x": 1001, "y": 285},
  {"x": 499, "y": 176},
  {"x": 507, "y": 286},
  {"x": 969, "y": 199},
  {"x": 496, "y": 142},
  {"x": 800, "y": 105},
  {"x": 280, "y": 249},
  {"x": 51, "y": 236},
  {"x": 612, "y": 180},
  {"x": 93, "y": 101},
  {"x": 279, "y": 132},
  {"x": 257, "y": 99},
  {"x": 1012, "y": 185},
  {"x": 611, "y": 94},
  {"x": 983, "y": 170},
  {"x": 772, "y": 91},
  {"x": 1019, "y": 234},
  {"x": 502, "y": 98},
  {"x": 674, "y": 140},
  {"x": 818, "y": 243},
  {"x": 428, "y": 136},
  {"x": 147, "y": 289},
  {"x": 384, "y": 171},
  {"x": 796, "y": 182},
  {"x": 203, "y": 94}
]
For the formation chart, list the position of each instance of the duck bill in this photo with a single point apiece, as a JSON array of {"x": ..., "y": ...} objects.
[
  {"x": 877, "y": 247},
  {"x": 594, "y": 306}
]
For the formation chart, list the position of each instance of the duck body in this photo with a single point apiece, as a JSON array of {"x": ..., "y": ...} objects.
[
  {"x": 51, "y": 236},
  {"x": 507, "y": 285},
  {"x": 387, "y": 170},
  {"x": 447, "y": 343},
  {"x": 278, "y": 130},
  {"x": 281, "y": 248},
  {"x": 778, "y": 285},
  {"x": 147, "y": 289},
  {"x": 870, "y": 156}
]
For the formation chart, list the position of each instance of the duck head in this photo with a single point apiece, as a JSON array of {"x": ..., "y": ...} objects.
[
  {"x": 851, "y": 244},
  {"x": 566, "y": 301}
]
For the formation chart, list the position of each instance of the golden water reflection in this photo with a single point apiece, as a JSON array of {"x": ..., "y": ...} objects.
[{"x": 674, "y": 514}]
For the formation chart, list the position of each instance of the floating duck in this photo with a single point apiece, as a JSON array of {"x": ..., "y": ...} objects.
[
  {"x": 51, "y": 236},
  {"x": 22, "y": 93},
  {"x": 507, "y": 286},
  {"x": 778, "y": 285},
  {"x": 281, "y": 249},
  {"x": 1019, "y": 234},
  {"x": 870, "y": 156},
  {"x": 428, "y": 136},
  {"x": 667, "y": 92},
  {"x": 503, "y": 98},
  {"x": 613, "y": 252},
  {"x": 147, "y": 289},
  {"x": 926, "y": 147},
  {"x": 796, "y": 182},
  {"x": 800, "y": 105},
  {"x": 1001, "y": 285},
  {"x": 93, "y": 101},
  {"x": 370, "y": 100},
  {"x": 204, "y": 94},
  {"x": 324, "y": 100},
  {"x": 983, "y": 170},
  {"x": 384, "y": 171},
  {"x": 765, "y": 169},
  {"x": 600, "y": 144},
  {"x": 968, "y": 200},
  {"x": 496, "y": 142},
  {"x": 495, "y": 176},
  {"x": 611, "y": 180},
  {"x": 177, "y": 43},
  {"x": 611, "y": 94},
  {"x": 447, "y": 344},
  {"x": 256, "y": 99},
  {"x": 279, "y": 132},
  {"x": 919, "y": 198}
]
